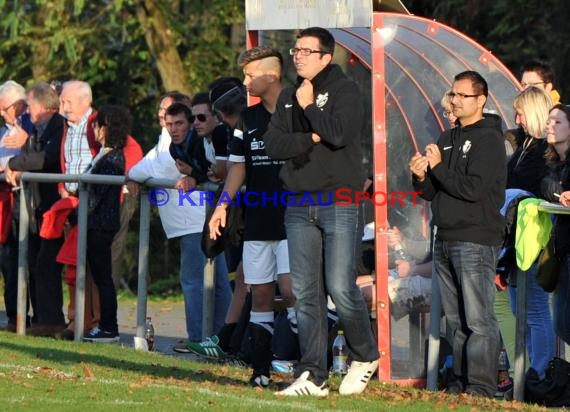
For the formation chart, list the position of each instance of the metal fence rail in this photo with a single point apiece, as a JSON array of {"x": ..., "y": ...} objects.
[{"x": 143, "y": 268}]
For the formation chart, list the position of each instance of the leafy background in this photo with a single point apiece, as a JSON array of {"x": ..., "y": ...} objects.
[{"x": 131, "y": 51}]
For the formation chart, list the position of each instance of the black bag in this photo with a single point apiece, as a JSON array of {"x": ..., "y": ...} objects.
[
  {"x": 548, "y": 267},
  {"x": 554, "y": 389},
  {"x": 232, "y": 233}
]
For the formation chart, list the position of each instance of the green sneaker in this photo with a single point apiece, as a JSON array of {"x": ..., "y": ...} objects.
[{"x": 208, "y": 348}]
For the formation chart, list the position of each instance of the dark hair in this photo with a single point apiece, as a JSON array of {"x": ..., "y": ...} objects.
[
  {"x": 326, "y": 39},
  {"x": 478, "y": 83},
  {"x": 118, "y": 121},
  {"x": 179, "y": 108},
  {"x": 46, "y": 95},
  {"x": 202, "y": 98},
  {"x": 177, "y": 97},
  {"x": 228, "y": 96},
  {"x": 258, "y": 53},
  {"x": 543, "y": 69},
  {"x": 550, "y": 154}
]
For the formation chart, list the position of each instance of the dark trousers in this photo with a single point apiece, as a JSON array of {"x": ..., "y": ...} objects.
[
  {"x": 45, "y": 274},
  {"x": 99, "y": 259}
]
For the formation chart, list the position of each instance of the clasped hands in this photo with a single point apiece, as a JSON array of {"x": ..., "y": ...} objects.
[{"x": 419, "y": 163}]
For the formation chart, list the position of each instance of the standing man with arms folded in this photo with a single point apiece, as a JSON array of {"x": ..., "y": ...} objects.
[
  {"x": 315, "y": 129},
  {"x": 464, "y": 176}
]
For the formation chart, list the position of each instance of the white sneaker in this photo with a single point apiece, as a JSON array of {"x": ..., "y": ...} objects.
[
  {"x": 303, "y": 387},
  {"x": 357, "y": 377}
]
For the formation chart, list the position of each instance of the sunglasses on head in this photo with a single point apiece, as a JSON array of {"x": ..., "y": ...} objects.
[{"x": 201, "y": 118}]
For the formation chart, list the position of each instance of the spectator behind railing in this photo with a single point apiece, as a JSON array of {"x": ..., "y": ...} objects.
[{"x": 112, "y": 126}]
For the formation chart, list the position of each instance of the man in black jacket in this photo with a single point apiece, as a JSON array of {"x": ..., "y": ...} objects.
[
  {"x": 41, "y": 153},
  {"x": 315, "y": 129},
  {"x": 464, "y": 176}
]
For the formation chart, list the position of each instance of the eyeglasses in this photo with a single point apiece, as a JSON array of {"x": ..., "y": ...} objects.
[
  {"x": 525, "y": 84},
  {"x": 201, "y": 118},
  {"x": 446, "y": 113},
  {"x": 304, "y": 51},
  {"x": 5, "y": 109},
  {"x": 461, "y": 96}
]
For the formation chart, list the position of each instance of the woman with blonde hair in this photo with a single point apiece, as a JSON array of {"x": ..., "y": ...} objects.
[{"x": 525, "y": 171}]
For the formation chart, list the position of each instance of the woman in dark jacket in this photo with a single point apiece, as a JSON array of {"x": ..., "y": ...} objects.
[
  {"x": 111, "y": 128},
  {"x": 526, "y": 169},
  {"x": 557, "y": 183}
]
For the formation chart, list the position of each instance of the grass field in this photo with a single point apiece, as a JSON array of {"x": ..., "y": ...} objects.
[{"x": 44, "y": 374}]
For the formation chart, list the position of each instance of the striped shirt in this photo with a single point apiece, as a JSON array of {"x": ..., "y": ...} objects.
[{"x": 76, "y": 150}]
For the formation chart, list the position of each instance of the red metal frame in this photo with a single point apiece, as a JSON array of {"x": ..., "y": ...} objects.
[{"x": 379, "y": 148}]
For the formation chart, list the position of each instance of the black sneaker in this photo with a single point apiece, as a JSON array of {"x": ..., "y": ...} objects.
[
  {"x": 260, "y": 381},
  {"x": 101, "y": 336}
]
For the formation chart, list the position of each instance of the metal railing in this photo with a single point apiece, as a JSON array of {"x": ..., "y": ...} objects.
[{"x": 143, "y": 267}]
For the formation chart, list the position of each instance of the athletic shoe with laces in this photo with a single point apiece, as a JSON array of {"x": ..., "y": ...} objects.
[
  {"x": 208, "y": 347},
  {"x": 101, "y": 336},
  {"x": 303, "y": 386},
  {"x": 260, "y": 381},
  {"x": 357, "y": 377}
]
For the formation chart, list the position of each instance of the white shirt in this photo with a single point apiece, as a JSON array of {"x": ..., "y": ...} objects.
[{"x": 158, "y": 163}]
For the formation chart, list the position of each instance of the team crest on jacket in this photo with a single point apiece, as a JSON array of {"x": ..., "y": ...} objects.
[
  {"x": 322, "y": 99},
  {"x": 466, "y": 146}
]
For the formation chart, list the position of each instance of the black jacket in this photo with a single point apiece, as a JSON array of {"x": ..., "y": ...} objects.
[
  {"x": 558, "y": 181},
  {"x": 467, "y": 189},
  {"x": 527, "y": 167},
  {"x": 337, "y": 117},
  {"x": 104, "y": 213},
  {"x": 42, "y": 154}
]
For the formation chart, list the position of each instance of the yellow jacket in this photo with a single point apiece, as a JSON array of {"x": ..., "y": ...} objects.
[{"x": 532, "y": 233}]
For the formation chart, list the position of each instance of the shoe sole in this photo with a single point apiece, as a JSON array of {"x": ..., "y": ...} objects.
[{"x": 101, "y": 340}]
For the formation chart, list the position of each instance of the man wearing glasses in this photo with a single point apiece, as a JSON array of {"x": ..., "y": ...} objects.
[
  {"x": 464, "y": 176},
  {"x": 316, "y": 130},
  {"x": 12, "y": 110}
]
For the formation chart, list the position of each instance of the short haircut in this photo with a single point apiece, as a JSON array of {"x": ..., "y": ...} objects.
[
  {"x": 118, "y": 121},
  {"x": 46, "y": 95},
  {"x": 202, "y": 98},
  {"x": 13, "y": 90},
  {"x": 258, "y": 53},
  {"x": 543, "y": 69},
  {"x": 478, "y": 83},
  {"x": 552, "y": 157},
  {"x": 326, "y": 39},
  {"x": 535, "y": 103},
  {"x": 228, "y": 96},
  {"x": 179, "y": 108},
  {"x": 177, "y": 97},
  {"x": 83, "y": 89}
]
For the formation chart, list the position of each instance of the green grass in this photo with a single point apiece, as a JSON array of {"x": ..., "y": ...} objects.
[{"x": 43, "y": 374}]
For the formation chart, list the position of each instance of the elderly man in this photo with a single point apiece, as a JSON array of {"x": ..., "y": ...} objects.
[
  {"x": 41, "y": 153},
  {"x": 12, "y": 108},
  {"x": 79, "y": 145}
]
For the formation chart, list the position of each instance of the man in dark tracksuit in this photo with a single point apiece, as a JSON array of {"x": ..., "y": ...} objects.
[
  {"x": 315, "y": 129},
  {"x": 464, "y": 177}
]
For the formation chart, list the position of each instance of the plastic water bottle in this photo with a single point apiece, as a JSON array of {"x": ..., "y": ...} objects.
[
  {"x": 149, "y": 334},
  {"x": 340, "y": 354},
  {"x": 503, "y": 372}
]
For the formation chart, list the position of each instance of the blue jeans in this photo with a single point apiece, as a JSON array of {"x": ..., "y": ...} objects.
[
  {"x": 561, "y": 302},
  {"x": 540, "y": 340},
  {"x": 329, "y": 232},
  {"x": 466, "y": 275},
  {"x": 192, "y": 262}
]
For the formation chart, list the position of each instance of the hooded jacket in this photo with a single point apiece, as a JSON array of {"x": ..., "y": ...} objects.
[
  {"x": 337, "y": 117},
  {"x": 467, "y": 189}
]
